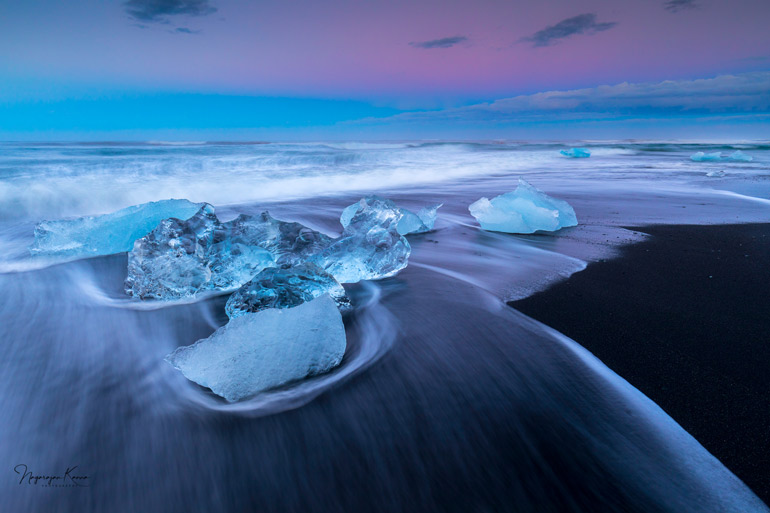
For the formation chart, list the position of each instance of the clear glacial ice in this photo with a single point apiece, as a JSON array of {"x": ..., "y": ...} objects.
[
  {"x": 576, "y": 153},
  {"x": 736, "y": 156},
  {"x": 182, "y": 258},
  {"x": 255, "y": 352},
  {"x": 370, "y": 247},
  {"x": 706, "y": 157},
  {"x": 525, "y": 210},
  {"x": 285, "y": 287},
  {"x": 421, "y": 222},
  {"x": 716, "y": 174},
  {"x": 109, "y": 233},
  {"x": 739, "y": 156}
]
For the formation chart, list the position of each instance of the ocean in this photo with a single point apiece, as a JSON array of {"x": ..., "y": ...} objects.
[{"x": 446, "y": 399}]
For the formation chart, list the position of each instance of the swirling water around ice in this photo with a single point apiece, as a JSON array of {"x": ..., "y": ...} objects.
[{"x": 444, "y": 397}]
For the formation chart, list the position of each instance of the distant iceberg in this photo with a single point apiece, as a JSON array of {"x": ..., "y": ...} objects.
[
  {"x": 182, "y": 258},
  {"x": 255, "y": 352},
  {"x": 370, "y": 247},
  {"x": 739, "y": 156},
  {"x": 288, "y": 287},
  {"x": 706, "y": 157},
  {"x": 576, "y": 153},
  {"x": 421, "y": 222},
  {"x": 525, "y": 210},
  {"x": 109, "y": 233}
]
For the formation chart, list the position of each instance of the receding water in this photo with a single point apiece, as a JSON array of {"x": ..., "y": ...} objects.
[{"x": 446, "y": 400}]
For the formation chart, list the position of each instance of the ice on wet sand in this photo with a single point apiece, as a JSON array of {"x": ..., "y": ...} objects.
[
  {"x": 421, "y": 222},
  {"x": 370, "y": 247},
  {"x": 258, "y": 351},
  {"x": 739, "y": 156},
  {"x": 109, "y": 233},
  {"x": 576, "y": 153},
  {"x": 287, "y": 287},
  {"x": 706, "y": 157},
  {"x": 182, "y": 258},
  {"x": 525, "y": 210}
]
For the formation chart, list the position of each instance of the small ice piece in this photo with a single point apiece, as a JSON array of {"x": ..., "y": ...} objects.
[
  {"x": 277, "y": 287},
  {"x": 716, "y": 174},
  {"x": 576, "y": 153},
  {"x": 525, "y": 210},
  {"x": 370, "y": 247},
  {"x": 258, "y": 351},
  {"x": 706, "y": 157},
  {"x": 421, "y": 222},
  {"x": 109, "y": 233},
  {"x": 739, "y": 156},
  {"x": 182, "y": 258}
]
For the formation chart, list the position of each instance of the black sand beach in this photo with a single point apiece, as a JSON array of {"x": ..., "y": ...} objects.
[{"x": 685, "y": 317}]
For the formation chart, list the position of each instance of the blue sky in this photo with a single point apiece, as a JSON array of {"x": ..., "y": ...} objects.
[{"x": 299, "y": 70}]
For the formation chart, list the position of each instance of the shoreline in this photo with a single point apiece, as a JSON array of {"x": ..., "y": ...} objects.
[{"x": 683, "y": 316}]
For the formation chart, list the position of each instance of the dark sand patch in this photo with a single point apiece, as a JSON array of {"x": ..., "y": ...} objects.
[{"x": 685, "y": 318}]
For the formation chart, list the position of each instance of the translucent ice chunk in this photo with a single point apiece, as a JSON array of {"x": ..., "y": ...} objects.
[
  {"x": 715, "y": 174},
  {"x": 422, "y": 221},
  {"x": 739, "y": 156},
  {"x": 289, "y": 243},
  {"x": 182, "y": 258},
  {"x": 276, "y": 287},
  {"x": 525, "y": 210},
  {"x": 109, "y": 233},
  {"x": 258, "y": 351},
  {"x": 706, "y": 157},
  {"x": 576, "y": 153},
  {"x": 370, "y": 247}
]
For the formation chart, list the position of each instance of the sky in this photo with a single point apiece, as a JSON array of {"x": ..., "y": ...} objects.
[{"x": 373, "y": 69}]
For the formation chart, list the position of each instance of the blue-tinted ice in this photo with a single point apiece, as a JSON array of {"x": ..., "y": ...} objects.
[
  {"x": 285, "y": 287},
  {"x": 576, "y": 153},
  {"x": 706, "y": 157},
  {"x": 258, "y": 351},
  {"x": 370, "y": 247},
  {"x": 421, "y": 222},
  {"x": 182, "y": 258},
  {"x": 109, "y": 233},
  {"x": 525, "y": 210},
  {"x": 739, "y": 156}
]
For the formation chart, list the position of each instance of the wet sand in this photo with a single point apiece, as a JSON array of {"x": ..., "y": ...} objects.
[{"x": 685, "y": 317}]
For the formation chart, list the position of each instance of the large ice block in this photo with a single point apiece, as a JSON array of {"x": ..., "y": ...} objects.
[
  {"x": 576, "y": 153},
  {"x": 258, "y": 351},
  {"x": 288, "y": 242},
  {"x": 109, "y": 233},
  {"x": 183, "y": 258},
  {"x": 706, "y": 157},
  {"x": 285, "y": 287},
  {"x": 525, "y": 210},
  {"x": 370, "y": 247}
]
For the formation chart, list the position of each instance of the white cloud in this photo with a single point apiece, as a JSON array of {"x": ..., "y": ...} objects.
[{"x": 726, "y": 94}]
